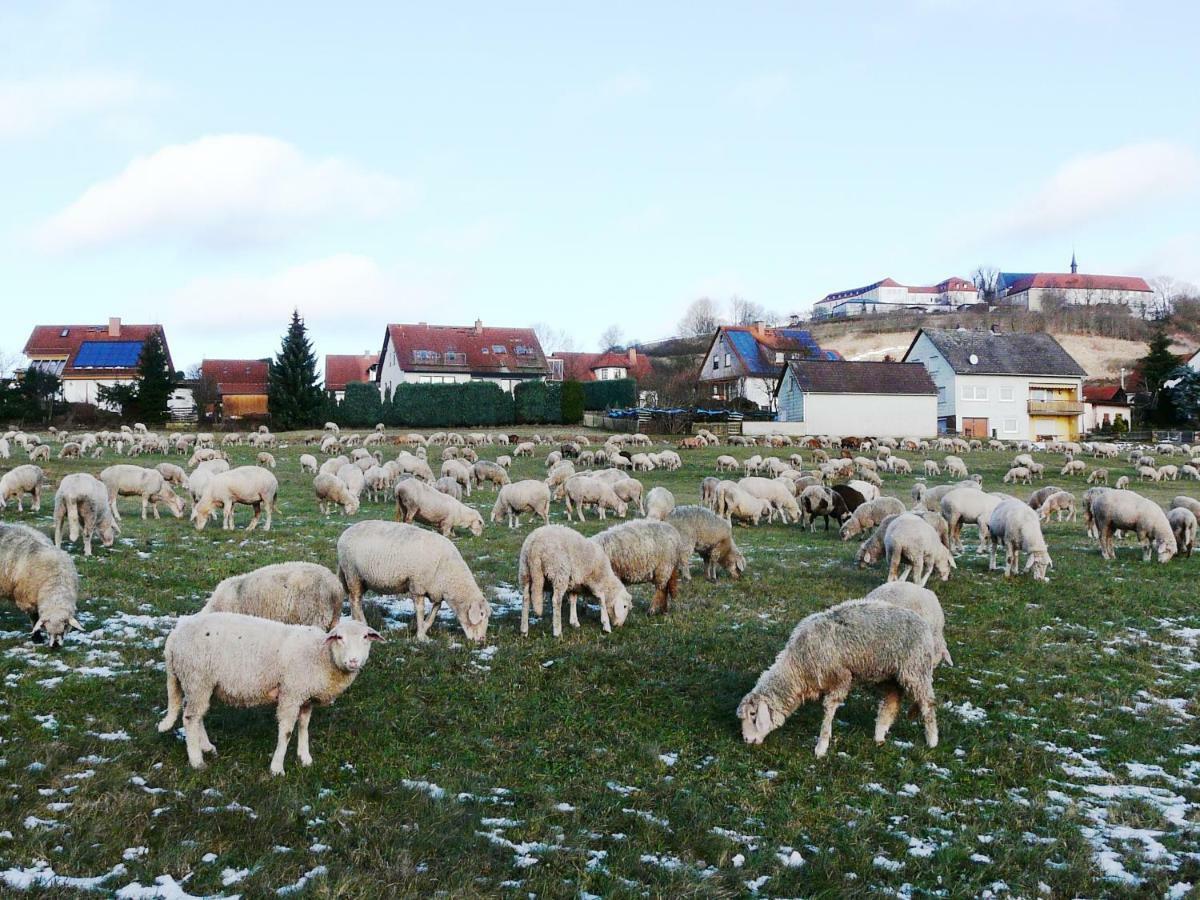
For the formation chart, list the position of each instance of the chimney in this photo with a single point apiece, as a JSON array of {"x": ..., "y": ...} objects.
[
  {"x": 632, "y": 357},
  {"x": 479, "y": 326},
  {"x": 114, "y": 326},
  {"x": 757, "y": 327}
]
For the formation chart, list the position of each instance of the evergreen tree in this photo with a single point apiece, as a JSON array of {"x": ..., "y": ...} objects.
[
  {"x": 294, "y": 396},
  {"x": 155, "y": 381},
  {"x": 1158, "y": 363}
]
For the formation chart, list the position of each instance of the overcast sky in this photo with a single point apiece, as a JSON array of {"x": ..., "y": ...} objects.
[{"x": 211, "y": 166}]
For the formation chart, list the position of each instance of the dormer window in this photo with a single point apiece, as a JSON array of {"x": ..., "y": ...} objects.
[
  {"x": 64, "y": 332},
  {"x": 499, "y": 348}
]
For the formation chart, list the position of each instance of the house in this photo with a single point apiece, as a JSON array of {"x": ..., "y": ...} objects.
[
  {"x": 1011, "y": 386},
  {"x": 341, "y": 370},
  {"x": 891, "y": 296},
  {"x": 743, "y": 362},
  {"x": 1034, "y": 290},
  {"x": 241, "y": 385},
  {"x": 607, "y": 366},
  {"x": 841, "y": 398},
  {"x": 89, "y": 357},
  {"x": 451, "y": 354},
  {"x": 1103, "y": 404}
]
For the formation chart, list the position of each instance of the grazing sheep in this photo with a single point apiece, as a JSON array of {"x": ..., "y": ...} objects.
[
  {"x": 41, "y": 580},
  {"x": 1183, "y": 524},
  {"x": 1060, "y": 502},
  {"x": 568, "y": 562},
  {"x": 733, "y": 502},
  {"x": 248, "y": 485},
  {"x": 449, "y": 486},
  {"x": 248, "y": 661},
  {"x": 709, "y": 535},
  {"x": 522, "y": 496},
  {"x": 647, "y": 552},
  {"x": 815, "y": 501},
  {"x": 728, "y": 464},
  {"x": 778, "y": 495},
  {"x": 924, "y": 603},
  {"x": 460, "y": 472},
  {"x": 912, "y": 545},
  {"x": 82, "y": 498},
  {"x": 296, "y": 593},
  {"x": 659, "y": 504},
  {"x": 332, "y": 492},
  {"x": 1190, "y": 471},
  {"x": 486, "y": 471},
  {"x": 415, "y": 500},
  {"x": 955, "y": 467},
  {"x": 396, "y": 558},
  {"x": 1185, "y": 502},
  {"x": 1168, "y": 473},
  {"x": 1148, "y": 473},
  {"x": 1018, "y": 474},
  {"x": 932, "y": 469},
  {"x": 586, "y": 490},
  {"x": 629, "y": 490},
  {"x": 1017, "y": 526},
  {"x": 172, "y": 474},
  {"x": 930, "y": 499},
  {"x": 70, "y": 450},
  {"x": 869, "y": 515},
  {"x": 863, "y": 640},
  {"x": 1074, "y": 467},
  {"x": 1098, "y": 476},
  {"x": 40, "y": 453},
  {"x": 708, "y": 492},
  {"x": 127, "y": 480},
  {"x": 964, "y": 506},
  {"x": 1126, "y": 511},
  {"x": 1122, "y": 483},
  {"x": 26, "y": 479}
]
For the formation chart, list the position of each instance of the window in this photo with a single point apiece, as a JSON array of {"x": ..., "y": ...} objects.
[
  {"x": 942, "y": 394},
  {"x": 778, "y": 356},
  {"x": 974, "y": 392},
  {"x": 456, "y": 358},
  {"x": 728, "y": 360},
  {"x": 1007, "y": 394},
  {"x": 1010, "y": 426},
  {"x": 716, "y": 363},
  {"x": 522, "y": 350},
  {"x": 499, "y": 348}
]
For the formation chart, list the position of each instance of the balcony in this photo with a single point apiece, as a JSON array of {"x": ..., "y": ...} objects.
[{"x": 1055, "y": 408}]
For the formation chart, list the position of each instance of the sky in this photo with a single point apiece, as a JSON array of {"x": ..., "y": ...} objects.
[{"x": 211, "y": 167}]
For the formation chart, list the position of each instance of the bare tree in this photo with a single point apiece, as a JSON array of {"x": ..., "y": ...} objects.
[
  {"x": 553, "y": 340},
  {"x": 987, "y": 282},
  {"x": 1167, "y": 292},
  {"x": 611, "y": 338},
  {"x": 9, "y": 363},
  {"x": 700, "y": 319}
]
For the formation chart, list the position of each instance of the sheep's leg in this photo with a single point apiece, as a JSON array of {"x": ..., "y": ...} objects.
[
  {"x": 302, "y": 735},
  {"x": 572, "y": 597},
  {"x": 525, "y": 588},
  {"x": 889, "y": 708},
  {"x": 58, "y": 526},
  {"x": 257, "y": 506},
  {"x": 833, "y": 698},
  {"x": 556, "y": 611},
  {"x": 431, "y": 617},
  {"x": 269, "y": 504},
  {"x": 174, "y": 703},
  {"x": 287, "y": 713},
  {"x": 418, "y": 602},
  {"x": 112, "y": 504},
  {"x": 194, "y": 707},
  {"x": 89, "y": 525},
  {"x": 918, "y": 570},
  {"x": 894, "y": 568}
]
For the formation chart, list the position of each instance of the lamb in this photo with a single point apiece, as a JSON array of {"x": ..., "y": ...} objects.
[
  {"x": 932, "y": 469},
  {"x": 864, "y": 640},
  {"x": 780, "y": 497},
  {"x": 647, "y": 552},
  {"x": 728, "y": 464},
  {"x": 955, "y": 467},
  {"x": 586, "y": 490},
  {"x": 248, "y": 485},
  {"x": 869, "y": 515},
  {"x": 1098, "y": 476},
  {"x": 70, "y": 450},
  {"x": 490, "y": 472},
  {"x": 964, "y": 506},
  {"x": 569, "y": 562},
  {"x": 924, "y": 603},
  {"x": 711, "y": 536},
  {"x": 504, "y": 462},
  {"x": 41, "y": 580},
  {"x": 84, "y": 498},
  {"x": 659, "y": 504},
  {"x": 1021, "y": 474},
  {"x": 127, "y": 480},
  {"x": 733, "y": 502},
  {"x": 249, "y": 661},
  {"x": 25, "y": 479},
  {"x": 1126, "y": 511},
  {"x": 172, "y": 474},
  {"x": 1015, "y": 525},
  {"x": 404, "y": 559},
  {"x": 449, "y": 486},
  {"x": 1183, "y": 525},
  {"x": 522, "y": 496},
  {"x": 1060, "y": 502},
  {"x": 295, "y": 593},
  {"x": 40, "y": 453},
  {"x": 1122, "y": 483},
  {"x": 912, "y": 545},
  {"x": 417, "y": 501},
  {"x": 332, "y": 492}
]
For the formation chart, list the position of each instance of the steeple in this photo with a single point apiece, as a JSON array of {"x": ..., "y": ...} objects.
[{"x": 1074, "y": 265}]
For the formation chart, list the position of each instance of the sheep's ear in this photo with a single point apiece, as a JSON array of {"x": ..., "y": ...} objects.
[
  {"x": 331, "y": 637},
  {"x": 74, "y": 623},
  {"x": 39, "y": 625},
  {"x": 762, "y": 717},
  {"x": 373, "y": 635}
]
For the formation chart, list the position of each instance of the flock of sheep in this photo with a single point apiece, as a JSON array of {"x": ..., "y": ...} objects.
[{"x": 275, "y": 636}]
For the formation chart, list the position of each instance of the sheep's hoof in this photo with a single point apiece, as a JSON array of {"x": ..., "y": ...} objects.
[
  {"x": 198, "y": 764},
  {"x": 306, "y": 760},
  {"x": 276, "y": 770}
]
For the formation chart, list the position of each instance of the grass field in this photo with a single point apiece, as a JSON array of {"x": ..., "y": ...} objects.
[{"x": 1069, "y": 762}]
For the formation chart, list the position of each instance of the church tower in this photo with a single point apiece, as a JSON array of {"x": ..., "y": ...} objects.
[{"x": 1074, "y": 265}]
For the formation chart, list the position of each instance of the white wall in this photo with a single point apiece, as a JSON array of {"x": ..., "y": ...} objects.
[
  {"x": 84, "y": 390},
  {"x": 877, "y": 415}
]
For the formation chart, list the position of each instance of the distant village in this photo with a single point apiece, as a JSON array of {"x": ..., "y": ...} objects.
[{"x": 979, "y": 382}]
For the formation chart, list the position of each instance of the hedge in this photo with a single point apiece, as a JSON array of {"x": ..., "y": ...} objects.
[
  {"x": 620, "y": 393},
  {"x": 572, "y": 402},
  {"x": 450, "y": 405},
  {"x": 538, "y": 402},
  {"x": 361, "y": 407}
]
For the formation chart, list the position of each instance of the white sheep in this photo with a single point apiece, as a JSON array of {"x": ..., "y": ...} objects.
[
  {"x": 861, "y": 640},
  {"x": 1017, "y": 526},
  {"x": 127, "y": 480},
  {"x": 1183, "y": 524},
  {"x": 405, "y": 559},
  {"x": 568, "y": 562},
  {"x": 296, "y": 593},
  {"x": 1019, "y": 474},
  {"x": 728, "y": 464},
  {"x": 82, "y": 499},
  {"x": 41, "y": 580},
  {"x": 586, "y": 490},
  {"x": 308, "y": 463},
  {"x": 22, "y": 480},
  {"x": 173, "y": 474},
  {"x": 913, "y": 546},
  {"x": 709, "y": 535},
  {"x": 248, "y": 661},
  {"x": 965, "y": 506},
  {"x": 659, "y": 504},
  {"x": 248, "y": 485},
  {"x": 734, "y": 502},
  {"x": 1060, "y": 502},
  {"x": 416, "y": 501},
  {"x": 647, "y": 552},
  {"x": 449, "y": 486},
  {"x": 774, "y": 492},
  {"x": 870, "y": 514},
  {"x": 332, "y": 492},
  {"x": 925, "y": 604},
  {"x": 629, "y": 490},
  {"x": 1126, "y": 511},
  {"x": 522, "y": 496},
  {"x": 266, "y": 460}
]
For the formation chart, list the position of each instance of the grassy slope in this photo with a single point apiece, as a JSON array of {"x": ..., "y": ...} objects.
[{"x": 615, "y": 762}]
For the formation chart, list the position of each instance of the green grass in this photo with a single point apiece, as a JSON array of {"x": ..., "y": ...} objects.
[{"x": 615, "y": 761}]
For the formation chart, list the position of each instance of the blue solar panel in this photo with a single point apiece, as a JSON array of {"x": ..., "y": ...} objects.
[
  {"x": 108, "y": 355},
  {"x": 747, "y": 348}
]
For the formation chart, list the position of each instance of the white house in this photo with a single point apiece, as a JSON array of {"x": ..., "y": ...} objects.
[
  {"x": 891, "y": 296},
  {"x": 1034, "y": 290},
  {"x": 1104, "y": 404},
  {"x": 451, "y": 354},
  {"x": 1010, "y": 386},
  {"x": 743, "y": 362},
  {"x": 863, "y": 399}
]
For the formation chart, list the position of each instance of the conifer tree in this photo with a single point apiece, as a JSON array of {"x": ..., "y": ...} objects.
[
  {"x": 155, "y": 381},
  {"x": 294, "y": 396}
]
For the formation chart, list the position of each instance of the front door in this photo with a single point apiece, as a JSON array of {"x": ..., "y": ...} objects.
[{"x": 975, "y": 428}]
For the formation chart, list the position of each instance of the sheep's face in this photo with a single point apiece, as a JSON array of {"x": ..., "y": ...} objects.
[
  {"x": 735, "y": 562},
  {"x": 619, "y": 607},
  {"x": 351, "y": 506},
  {"x": 109, "y": 529},
  {"x": 349, "y": 644},
  {"x": 201, "y": 511},
  {"x": 477, "y": 525},
  {"x": 1166, "y": 550},
  {"x": 868, "y": 556},
  {"x": 1039, "y": 563},
  {"x": 173, "y": 500},
  {"x": 757, "y": 721},
  {"x": 475, "y": 618},
  {"x": 55, "y": 628}
]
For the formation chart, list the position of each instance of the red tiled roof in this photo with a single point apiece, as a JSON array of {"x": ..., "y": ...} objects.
[
  {"x": 1104, "y": 393},
  {"x": 1062, "y": 282},
  {"x": 341, "y": 370},
  {"x": 65, "y": 340},
  {"x": 237, "y": 376},
  {"x": 472, "y": 349},
  {"x": 952, "y": 283},
  {"x": 583, "y": 366}
]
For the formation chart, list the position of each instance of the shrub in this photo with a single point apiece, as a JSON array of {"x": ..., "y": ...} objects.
[
  {"x": 449, "y": 405},
  {"x": 361, "y": 407},
  {"x": 539, "y": 402},
  {"x": 617, "y": 394},
  {"x": 573, "y": 401}
]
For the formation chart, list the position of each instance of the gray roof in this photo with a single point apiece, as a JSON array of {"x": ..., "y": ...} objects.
[
  {"x": 1033, "y": 353},
  {"x": 839, "y": 376}
]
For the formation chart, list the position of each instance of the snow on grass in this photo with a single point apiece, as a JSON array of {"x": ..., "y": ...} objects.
[
  {"x": 425, "y": 787},
  {"x": 299, "y": 885},
  {"x": 41, "y": 875}
]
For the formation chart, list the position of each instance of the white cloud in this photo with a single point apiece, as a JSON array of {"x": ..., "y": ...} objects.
[
  {"x": 218, "y": 191},
  {"x": 1178, "y": 257},
  {"x": 1101, "y": 185},
  {"x": 32, "y": 107}
]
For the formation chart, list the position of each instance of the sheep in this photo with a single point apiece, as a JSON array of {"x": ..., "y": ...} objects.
[
  {"x": 332, "y": 492},
  {"x": 586, "y": 490},
  {"x": 353, "y": 477},
  {"x": 41, "y": 580},
  {"x": 1190, "y": 471},
  {"x": 711, "y": 536},
  {"x": 1183, "y": 525},
  {"x": 816, "y": 500},
  {"x": 1122, "y": 483},
  {"x": 517, "y": 497},
  {"x": 504, "y": 462},
  {"x": 932, "y": 469},
  {"x": 1148, "y": 473},
  {"x": 1098, "y": 476},
  {"x": 490, "y": 472},
  {"x": 864, "y": 640},
  {"x": 248, "y": 485},
  {"x": 1168, "y": 473},
  {"x": 265, "y": 459},
  {"x": 734, "y": 502},
  {"x": 630, "y": 490},
  {"x": 568, "y": 562},
  {"x": 728, "y": 464},
  {"x": 127, "y": 480},
  {"x": 1073, "y": 467},
  {"x": 1017, "y": 526},
  {"x": 40, "y": 453},
  {"x": 647, "y": 552},
  {"x": 781, "y": 498},
  {"x": 900, "y": 466},
  {"x": 963, "y": 506},
  {"x": 295, "y": 593},
  {"x": 449, "y": 486},
  {"x": 659, "y": 504},
  {"x": 417, "y": 501},
  {"x": 924, "y": 603},
  {"x": 22, "y": 480},
  {"x": 172, "y": 474},
  {"x": 708, "y": 492},
  {"x": 397, "y": 558},
  {"x": 460, "y": 472},
  {"x": 84, "y": 498},
  {"x": 955, "y": 467},
  {"x": 912, "y": 545},
  {"x": 1185, "y": 502},
  {"x": 70, "y": 450},
  {"x": 1126, "y": 511},
  {"x": 869, "y": 515},
  {"x": 1060, "y": 502},
  {"x": 248, "y": 661},
  {"x": 1018, "y": 474}
]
